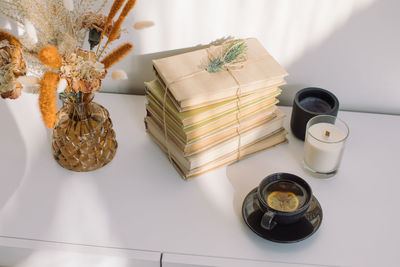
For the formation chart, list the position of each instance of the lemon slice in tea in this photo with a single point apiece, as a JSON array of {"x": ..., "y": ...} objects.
[{"x": 283, "y": 201}]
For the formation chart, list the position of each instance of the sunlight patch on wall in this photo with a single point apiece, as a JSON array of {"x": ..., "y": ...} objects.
[
  {"x": 307, "y": 24},
  {"x": 285, "y": 27}
]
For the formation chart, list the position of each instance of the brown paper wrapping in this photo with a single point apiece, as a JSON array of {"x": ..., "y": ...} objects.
[{"x": 191, "y": 86}]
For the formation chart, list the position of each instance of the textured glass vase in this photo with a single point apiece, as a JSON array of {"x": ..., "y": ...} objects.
[{"x": 83, "y": 138}]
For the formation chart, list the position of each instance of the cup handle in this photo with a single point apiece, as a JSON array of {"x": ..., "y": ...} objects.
[{"x": 267, "y": 220}]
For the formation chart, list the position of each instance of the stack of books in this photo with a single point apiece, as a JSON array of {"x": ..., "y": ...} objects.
[{"x": 204, "y": 120}]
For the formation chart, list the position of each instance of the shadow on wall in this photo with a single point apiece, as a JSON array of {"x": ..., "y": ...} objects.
[
  {"x": 360, "y": 60},
  {"x": 145, "y": 72}
]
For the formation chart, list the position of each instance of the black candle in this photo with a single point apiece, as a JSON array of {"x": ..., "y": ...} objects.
[{"x": 310, "y": 102}]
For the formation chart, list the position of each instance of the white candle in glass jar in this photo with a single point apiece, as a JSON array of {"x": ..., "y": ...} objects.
[{"x": 323, "y": 147}]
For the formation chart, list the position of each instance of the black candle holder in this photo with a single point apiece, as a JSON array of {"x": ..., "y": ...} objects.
[{"x": 310, "y": 102}]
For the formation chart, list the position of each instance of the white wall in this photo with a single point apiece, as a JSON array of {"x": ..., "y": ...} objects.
[{"x": 350, "y": 47}]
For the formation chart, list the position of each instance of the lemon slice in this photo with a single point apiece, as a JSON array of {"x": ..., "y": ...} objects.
[{"x": 283, "y": 201}]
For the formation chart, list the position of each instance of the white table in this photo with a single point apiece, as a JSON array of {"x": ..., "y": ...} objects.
[{"x": 137, "y": 211}]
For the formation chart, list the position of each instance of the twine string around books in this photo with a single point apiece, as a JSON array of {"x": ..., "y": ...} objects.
[
  {"x": 165, "y": 125},
  {"x": 238, "y": 114},
  {"x": 233, "y": 57}
]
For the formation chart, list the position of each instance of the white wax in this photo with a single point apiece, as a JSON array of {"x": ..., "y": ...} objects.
[{"x": 321, "y": 152}]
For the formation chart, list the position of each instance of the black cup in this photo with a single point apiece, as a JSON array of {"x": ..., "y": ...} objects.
[
  {"x": 310, "y": 102},
  {"x": 293, "y": 183}
]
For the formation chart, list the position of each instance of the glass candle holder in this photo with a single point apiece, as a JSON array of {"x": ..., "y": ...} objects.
[{"x": 324, "y": 144}]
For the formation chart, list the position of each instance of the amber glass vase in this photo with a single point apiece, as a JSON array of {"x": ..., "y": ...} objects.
[{"x": 83, "y": 138}]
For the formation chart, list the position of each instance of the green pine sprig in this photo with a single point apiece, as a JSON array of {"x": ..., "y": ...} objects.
[
  {"x": 235, "y": 53},
  {"x": 215, "y": 65}
]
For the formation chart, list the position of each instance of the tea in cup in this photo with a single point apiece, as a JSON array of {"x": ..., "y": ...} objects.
[{"x": 284, "y": 198}]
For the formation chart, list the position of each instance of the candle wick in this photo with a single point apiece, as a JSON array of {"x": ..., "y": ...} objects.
[{"x": 327, "y": 133}]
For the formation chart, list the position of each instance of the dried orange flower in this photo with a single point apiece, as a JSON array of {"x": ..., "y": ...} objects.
[
  {"x": 14, "y": 93},
  {"x": 12, "y": 66},
  {"x": 82, "y": 71},
  {"x": 10, "y": 38}
]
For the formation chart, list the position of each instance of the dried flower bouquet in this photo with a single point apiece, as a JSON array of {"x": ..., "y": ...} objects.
[{"x": 49, "y": 57}]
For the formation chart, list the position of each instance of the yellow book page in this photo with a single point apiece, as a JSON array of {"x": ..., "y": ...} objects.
[
  {"x": 186, "y": 118},
  {"x": 213, "y": 125}
]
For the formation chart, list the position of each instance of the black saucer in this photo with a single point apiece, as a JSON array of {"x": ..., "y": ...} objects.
[{"x": 281, "y": 233}]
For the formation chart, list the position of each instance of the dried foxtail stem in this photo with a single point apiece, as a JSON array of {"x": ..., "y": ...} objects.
[
  {"x": 116, "y": 6},
  {"x": 127, "y": 8},
  {"x": 114, "y": 32},
  {"x": 10, "y": 38},
  {"x": 116, "y": 55},
  {"x": 117, "y": 25},
  {"x": 50, "y": 57},
  {"x": 113, "y": 35},
  {"x": 47, "y": 98}
]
